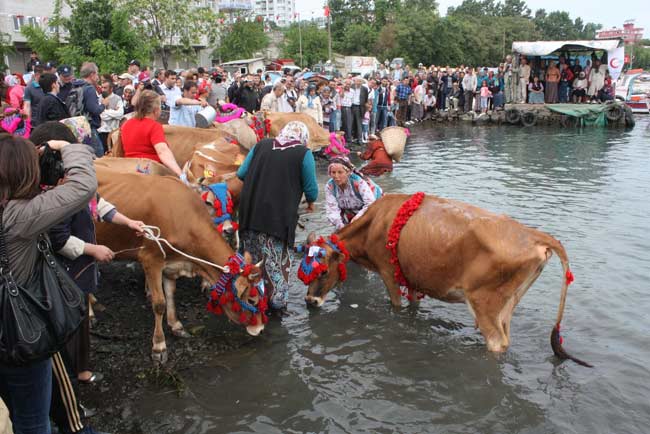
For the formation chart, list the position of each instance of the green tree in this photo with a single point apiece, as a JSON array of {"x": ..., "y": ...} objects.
[
  {"x": 514, "y": 8},
  {"x": 172, "y": 26},
  {"x": 241, "y": 40},
  {"x": 314, "y": 43},
  {"x": 6, "y": 48},
  {"x": 100, "y": 32},
  {"x": 46, "y": 45},
  {"x": 358, "y": 39}
]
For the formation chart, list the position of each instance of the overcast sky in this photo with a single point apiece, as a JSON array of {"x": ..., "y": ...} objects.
[{"x": 606, "y": 12}]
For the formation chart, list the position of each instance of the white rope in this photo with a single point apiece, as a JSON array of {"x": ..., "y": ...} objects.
[{"x": 152, "y": 233}]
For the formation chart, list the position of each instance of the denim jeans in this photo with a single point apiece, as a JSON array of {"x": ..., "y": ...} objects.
[
  {"x": 334, "y": 121},
  {"x": 382, "y": 118},
  {"x": 564, "y": 91},
  {"x": 97, "y": 145},
  {"x": 27, "y": 391}
]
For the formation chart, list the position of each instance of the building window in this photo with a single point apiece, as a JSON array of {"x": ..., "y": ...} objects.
[
  {"x": 19, "y": 21},
  {"x": 33, "y": 21}
]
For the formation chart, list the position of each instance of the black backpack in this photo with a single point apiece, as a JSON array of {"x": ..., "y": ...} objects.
[{"x": 75, "y": 101}]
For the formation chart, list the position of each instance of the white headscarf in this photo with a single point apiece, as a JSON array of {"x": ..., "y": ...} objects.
[{"x": 293, "y": 134}]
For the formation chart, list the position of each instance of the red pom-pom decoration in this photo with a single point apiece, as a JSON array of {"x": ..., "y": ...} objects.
[
  {"x": 242, "y": 318},
  {"x": 569, "y": 277}
]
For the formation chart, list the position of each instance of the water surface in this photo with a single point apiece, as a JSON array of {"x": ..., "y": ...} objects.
[{"x": 370, "y": 369}]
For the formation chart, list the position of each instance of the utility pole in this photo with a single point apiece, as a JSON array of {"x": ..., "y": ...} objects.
[
  {"x": 300, "y": 39},
  {"x": 329, "y": 31}
]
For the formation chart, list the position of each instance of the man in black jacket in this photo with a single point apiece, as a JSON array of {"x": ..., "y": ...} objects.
[
  {"x": 247, "y": 97},
  {"x": 359, "y": 101},
  {"x": 51, "y": 108}
]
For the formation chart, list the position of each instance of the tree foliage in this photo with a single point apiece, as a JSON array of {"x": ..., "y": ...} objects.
[
  {"x": 172, "y": 26},
  {"x": 314, "y": 43},
  {"x": 241, "y": 40},
  {"x": 97, "y": 31},
  {"x": 6, "y": 48},
  {"x": 475, "y": 32}
]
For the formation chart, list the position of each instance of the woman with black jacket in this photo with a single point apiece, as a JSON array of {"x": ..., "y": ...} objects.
[{"x": 27, "y": 389}]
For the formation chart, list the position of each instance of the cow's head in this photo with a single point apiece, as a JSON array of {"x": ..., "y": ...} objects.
[
  {"x": 322, "y": 267},
  {"x": 240, "y": 295},
  {"x": 218, "y": 199}
]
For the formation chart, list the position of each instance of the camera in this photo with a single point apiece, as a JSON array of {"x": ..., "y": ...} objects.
[{"x": 51, "y": 165}]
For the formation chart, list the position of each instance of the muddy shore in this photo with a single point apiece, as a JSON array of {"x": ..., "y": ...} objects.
[{"x": 121, "y": 348}]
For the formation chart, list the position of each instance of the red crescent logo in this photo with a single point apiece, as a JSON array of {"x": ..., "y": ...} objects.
[{"x": 614, "y": 63}]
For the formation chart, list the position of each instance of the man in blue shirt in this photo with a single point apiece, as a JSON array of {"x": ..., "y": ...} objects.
[
  {"x": 183, "y": 109},
  {"x": 92, "y": 107},
  {"x": 402, "y": 94}
]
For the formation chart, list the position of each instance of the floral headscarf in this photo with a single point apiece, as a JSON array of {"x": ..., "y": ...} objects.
[
  {"x": 11, "y": 80},
  {"x": 340, "y": 161},
  {"x": 293, "y": 134}
]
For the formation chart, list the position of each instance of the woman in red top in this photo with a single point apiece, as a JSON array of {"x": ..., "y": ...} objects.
[{"x": 143, "y": 137}]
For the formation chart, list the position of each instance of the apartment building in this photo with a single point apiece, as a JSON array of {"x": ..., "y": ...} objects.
[{"x": 281, "y": 12}]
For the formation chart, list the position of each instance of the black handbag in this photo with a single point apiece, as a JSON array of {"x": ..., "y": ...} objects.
[{"x": 38, "y": 318}]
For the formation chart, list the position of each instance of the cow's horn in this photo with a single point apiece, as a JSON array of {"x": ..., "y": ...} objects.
[{"x": 259, "y": 264}]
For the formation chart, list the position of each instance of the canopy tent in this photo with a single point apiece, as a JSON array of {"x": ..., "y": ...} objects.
[
  {"x": 543, "y": 48},
  {"x": 614, "y": 48}
]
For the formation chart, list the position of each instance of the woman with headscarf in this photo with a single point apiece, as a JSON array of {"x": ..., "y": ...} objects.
[
  {"x": 348, "y": 194},
  {"x": 552, "y": 83},
  {"x": 310, "y": 104},
  {"x": 276, "y": 174},
  {"x": 15, "y": 91}
]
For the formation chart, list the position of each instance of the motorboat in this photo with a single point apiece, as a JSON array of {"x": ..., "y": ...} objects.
[{"x": 634, "y": 89}]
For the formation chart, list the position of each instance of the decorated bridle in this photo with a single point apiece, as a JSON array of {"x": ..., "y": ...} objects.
[
  {"x": 224, "y": 292},
  {"x": 221, "y": 202},
  {"x": 261, "y": 127},
  {"x": 311, "y": 268}
]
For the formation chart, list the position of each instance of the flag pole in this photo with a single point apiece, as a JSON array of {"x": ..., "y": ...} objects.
[{"x": 300, "y": 39}]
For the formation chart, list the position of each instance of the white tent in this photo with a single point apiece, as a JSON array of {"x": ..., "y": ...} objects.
[
  {"x": 544, "y": 48},
  {"x": 614, "y": 47}
]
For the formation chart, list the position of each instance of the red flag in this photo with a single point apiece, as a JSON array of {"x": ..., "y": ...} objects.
[{"x": 327, "y": 11}]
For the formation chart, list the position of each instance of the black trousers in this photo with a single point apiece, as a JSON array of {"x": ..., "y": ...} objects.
[
  {"x": 358, "y": 118},
  {"x": 64, "y": 410},
  {"x": 346, "y": 117}
]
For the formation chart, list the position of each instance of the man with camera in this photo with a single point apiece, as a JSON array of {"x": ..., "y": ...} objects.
[{"x": 287, "y": 102}]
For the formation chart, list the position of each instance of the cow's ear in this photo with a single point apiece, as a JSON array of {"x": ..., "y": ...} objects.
[{"x": 248, "y": 259}]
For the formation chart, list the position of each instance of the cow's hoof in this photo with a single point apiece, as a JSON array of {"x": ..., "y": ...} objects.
[
  {"x": 181, "y": 333},
  {"x": 159, "y": 358}
]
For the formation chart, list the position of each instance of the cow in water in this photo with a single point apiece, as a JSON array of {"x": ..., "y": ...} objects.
[{"x": 447, "y": 250}]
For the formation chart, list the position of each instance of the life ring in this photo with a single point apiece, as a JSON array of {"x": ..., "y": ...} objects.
[
  {"x": 513, "y": 116},
  {"x": 529, "y": 119},
  {"x": 614, "y": 112}
]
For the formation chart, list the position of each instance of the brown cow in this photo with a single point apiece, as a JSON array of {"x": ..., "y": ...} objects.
[
  {"x": 319, "y": 137},
  {"x": 181, "y": 140},
  {"x": 240, "y": 130},
  {"x": 134, "y": 165},
  {"x": 453, "y": 252},
  {"x": 182, "y": 218}
]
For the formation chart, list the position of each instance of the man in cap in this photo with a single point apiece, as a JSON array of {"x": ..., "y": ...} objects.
[
  {"x": 134, "y": 70},
  {"x": 66, "y": 77},
  {"x": 125, "y": 80},
  {"x": 50, "y": 67}
]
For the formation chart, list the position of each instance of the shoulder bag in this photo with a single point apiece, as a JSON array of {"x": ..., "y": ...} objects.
[{"x": 36, "y": 319}]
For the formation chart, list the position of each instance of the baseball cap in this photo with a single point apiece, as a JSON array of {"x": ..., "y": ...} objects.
[
  {"x": 51, "y": 64},
  {"x": 125, "y": 76},
  {"x": 64, "y": 71},
  {"x": 144, "y": 76},
  {"x": 135, "y": 62}
]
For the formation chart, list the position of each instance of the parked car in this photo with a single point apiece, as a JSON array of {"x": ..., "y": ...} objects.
[{"x": 397, "y": 61}]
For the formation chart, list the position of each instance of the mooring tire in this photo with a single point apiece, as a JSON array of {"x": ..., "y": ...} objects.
[
  {"x": 529, "y": 119},
  {"x": 614, "y": 112},
  {"x": 629, "y": 117},
  {"x": 513, "y": 116}
]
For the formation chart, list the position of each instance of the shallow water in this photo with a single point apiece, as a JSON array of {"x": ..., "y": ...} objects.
[{"x": 345, "y": 369}]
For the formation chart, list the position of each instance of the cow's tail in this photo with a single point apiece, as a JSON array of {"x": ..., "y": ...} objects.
[{"x": 556, "y": 339}]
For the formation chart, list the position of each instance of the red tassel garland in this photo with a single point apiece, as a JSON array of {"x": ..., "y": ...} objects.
[
  {"x": 405, "y": 212},
  {"x": 242, "y": 318},
  {"x": 569, "y": 277}
]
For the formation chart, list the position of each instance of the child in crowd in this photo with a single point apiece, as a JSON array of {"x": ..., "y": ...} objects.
[
  {"x": 365, "y": 123},
  {"x": 485, "y": 96}
]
